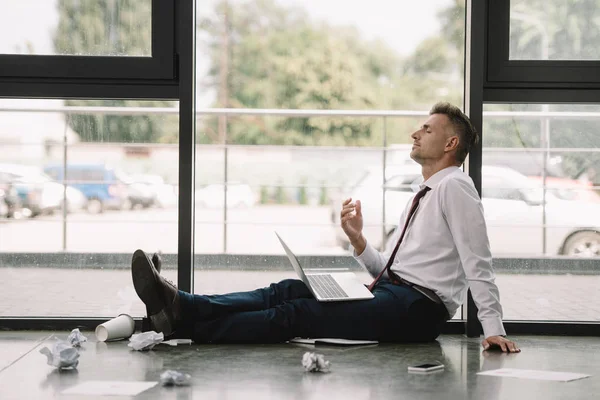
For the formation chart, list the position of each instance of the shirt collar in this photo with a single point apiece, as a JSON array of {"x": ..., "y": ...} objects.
[{"x": 436, "y": 178}]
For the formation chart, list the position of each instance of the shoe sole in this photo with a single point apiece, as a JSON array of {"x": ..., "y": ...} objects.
[{"x": 149, "y": 291}]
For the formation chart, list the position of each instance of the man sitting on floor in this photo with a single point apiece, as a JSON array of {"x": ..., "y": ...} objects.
[{"x": 421, "y": 278}]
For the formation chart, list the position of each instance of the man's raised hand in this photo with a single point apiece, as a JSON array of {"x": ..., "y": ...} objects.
[{"x": 352, "y": 223}]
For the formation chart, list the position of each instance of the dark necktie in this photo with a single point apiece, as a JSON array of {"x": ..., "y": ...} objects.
[{"x": 413, "y": 209}]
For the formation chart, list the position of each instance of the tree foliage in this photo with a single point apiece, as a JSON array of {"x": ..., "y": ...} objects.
[
  {"x": 101, "y": 27},
  {"x": 265, "y": 55},
  {"x": 568, "y": 28},
  {"x": 276, "y": 57}
]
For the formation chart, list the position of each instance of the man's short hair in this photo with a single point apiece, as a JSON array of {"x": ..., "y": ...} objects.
[{"x": 461, "y": 124}]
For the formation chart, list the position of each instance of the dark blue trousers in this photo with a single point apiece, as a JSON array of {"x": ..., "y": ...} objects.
[{"x": 288, "y": 309}]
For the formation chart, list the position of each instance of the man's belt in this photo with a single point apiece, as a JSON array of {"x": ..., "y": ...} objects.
[{"x": 430, "y": 294}]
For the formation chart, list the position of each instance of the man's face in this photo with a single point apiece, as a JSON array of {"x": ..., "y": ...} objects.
[{"x": 430, "y": 142}]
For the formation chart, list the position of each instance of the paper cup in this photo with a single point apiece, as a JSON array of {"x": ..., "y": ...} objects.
[{"x": 118, "y": 328}]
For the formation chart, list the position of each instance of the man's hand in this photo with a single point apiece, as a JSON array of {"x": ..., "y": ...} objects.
[
  {"x": 352, "y": 224},
  {"x": 506, "y": 345}
]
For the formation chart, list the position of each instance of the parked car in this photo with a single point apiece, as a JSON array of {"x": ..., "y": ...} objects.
[
  {"x": 163, "y": 194},
  {"x": 514, "y": 211},
  {"x": 103, "y": 187},
  {"x": 525, "y": 161},
  {"x": 3, "y": 205},
  {"x": 370, "y": 189},
  {"x": 569, "y": 189},
  {"x": 139, "y": 194},
  {"x": 10, "y": 203},
  {"x": 38, "y": 193},
  {"x": 239, "y": 195}
]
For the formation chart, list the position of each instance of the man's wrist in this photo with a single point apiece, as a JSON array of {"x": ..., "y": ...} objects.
[{"x": 359, "y": 244}]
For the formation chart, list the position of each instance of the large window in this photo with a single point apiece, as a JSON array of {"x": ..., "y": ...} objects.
[
  {"x": 302, "y": 81},
  {"x": 545, "y": 45},
  {"x": 80, "y": 27},
  {"x": 299, "y": 104},
  {"x": 540, "y": 192},
  {"x": 79, "y": 39},
  {"x": 554, "y": 30},
  {"x": 83, "y": 186},
  {"x": 288, "y": 172}
]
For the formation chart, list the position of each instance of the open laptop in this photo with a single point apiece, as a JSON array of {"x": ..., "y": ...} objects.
[{"x": 326, "y": 286}]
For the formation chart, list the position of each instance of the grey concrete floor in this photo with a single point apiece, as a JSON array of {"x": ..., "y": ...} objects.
[{"x": 275, "y": 371}]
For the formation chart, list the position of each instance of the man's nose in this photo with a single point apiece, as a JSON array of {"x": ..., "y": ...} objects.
[{"x": 414, "y": 135}]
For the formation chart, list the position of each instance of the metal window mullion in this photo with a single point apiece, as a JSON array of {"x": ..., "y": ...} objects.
[
  {"x": 383, "y": 179},
  {"x": 475, "y": 30},
  {"x": 186, "y": 18}
]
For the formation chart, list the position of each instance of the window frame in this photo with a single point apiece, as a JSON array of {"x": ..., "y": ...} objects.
[
  {"x": 161, "y": 65},
  {"x": 181, "y": 86},
  {"x": 501, "y": 72}
]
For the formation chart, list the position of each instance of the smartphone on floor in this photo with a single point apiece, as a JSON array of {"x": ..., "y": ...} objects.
[{"x": 425, "y": 368}]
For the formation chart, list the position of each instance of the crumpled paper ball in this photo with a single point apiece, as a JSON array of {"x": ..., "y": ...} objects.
[
  {"x": 146, "y": 340},
  {"x": 174, "y": 378},
  {"x": 62, "y": 355},
  {"x": 313, "y": 362},
  {"x": 76, "y": 338}
]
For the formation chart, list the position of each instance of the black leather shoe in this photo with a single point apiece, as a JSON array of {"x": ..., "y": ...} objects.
[
  {"x": 157, "y": 261},
  {"x": 160, "y": 296}
]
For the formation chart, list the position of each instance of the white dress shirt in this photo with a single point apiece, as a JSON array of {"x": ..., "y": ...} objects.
[{"x": 446, "y": 248}]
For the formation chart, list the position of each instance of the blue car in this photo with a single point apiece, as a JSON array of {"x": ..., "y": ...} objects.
[{"x": 102, "y": 185}]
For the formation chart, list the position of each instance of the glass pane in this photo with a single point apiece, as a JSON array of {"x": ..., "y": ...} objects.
[
  {"x": 540, "y": 184},
  {"x": 298, "y": 54},
  {"x": 554, "y": 30},
  {"x": 325, "y": 66},
  {"x": 84, "y": 188},
  {"x": 76, "y": 27},
  {"x": 297, "y": 190}
]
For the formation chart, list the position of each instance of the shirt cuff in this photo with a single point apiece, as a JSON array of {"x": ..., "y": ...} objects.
[
  {"x": 370, "y": 260},
  {"x": 368, "y": 256},
  {"x": 493, "y": 327}
]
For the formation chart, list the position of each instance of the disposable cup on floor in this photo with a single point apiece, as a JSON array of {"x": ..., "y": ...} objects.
[{"x": 117, "y": 328}]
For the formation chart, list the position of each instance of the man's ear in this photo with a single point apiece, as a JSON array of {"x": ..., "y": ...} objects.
[{"x": 452, "y": 143}]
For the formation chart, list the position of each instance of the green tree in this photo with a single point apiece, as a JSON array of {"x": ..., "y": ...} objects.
[
  {"x": 556, "y": 29},
  {"x": 275, "y": 57},
  {"x": 433, "y": 72},
  {"x": 108, "y": 27}
]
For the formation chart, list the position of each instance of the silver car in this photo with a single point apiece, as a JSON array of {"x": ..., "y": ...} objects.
[{"x": 522, "y": 219}]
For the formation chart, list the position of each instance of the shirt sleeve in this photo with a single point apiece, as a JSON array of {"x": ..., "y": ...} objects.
[
  {"x": 373, "y": 260},
  {"x": 463, "y": 211}
]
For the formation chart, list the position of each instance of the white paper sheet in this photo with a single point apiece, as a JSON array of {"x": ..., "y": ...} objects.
[
  {"x": 333, "y": 341},
  {"x": 534, "y": 374},
  {"x": 110, "y": 388},
  {"x": 175, "y": 342}
]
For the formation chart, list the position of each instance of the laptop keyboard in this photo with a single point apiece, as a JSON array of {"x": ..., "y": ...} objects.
[{"x": 326, "y": 286}]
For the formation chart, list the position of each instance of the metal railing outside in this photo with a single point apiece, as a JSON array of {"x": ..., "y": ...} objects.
[{"x": 545, "y": 117}]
